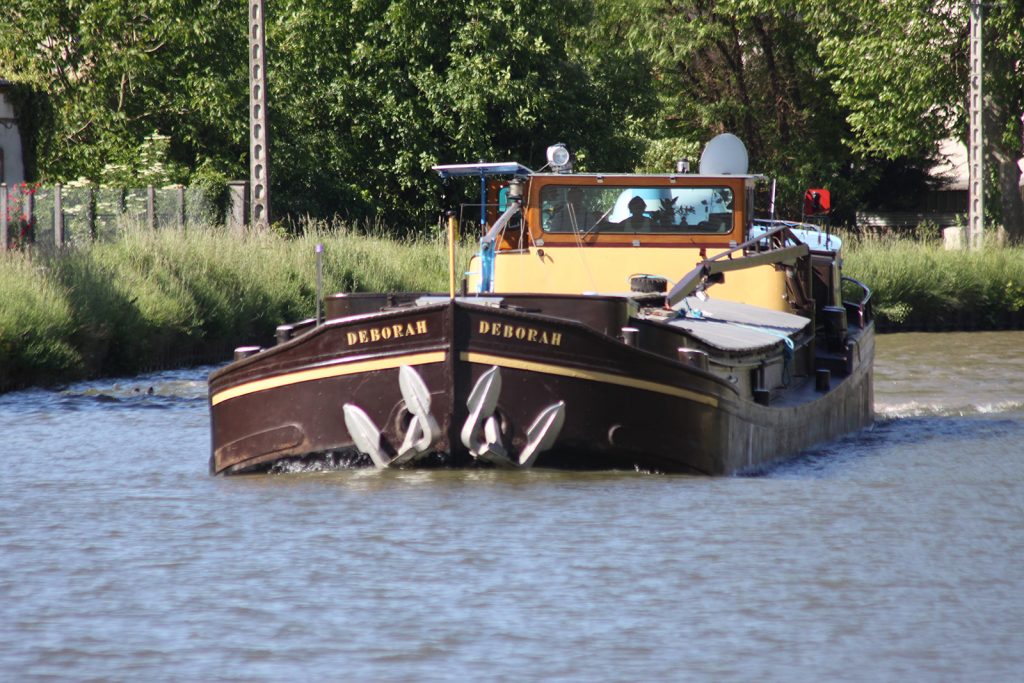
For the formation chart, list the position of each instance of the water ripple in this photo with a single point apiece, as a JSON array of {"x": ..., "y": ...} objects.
[{"x": 891, "y": 554}]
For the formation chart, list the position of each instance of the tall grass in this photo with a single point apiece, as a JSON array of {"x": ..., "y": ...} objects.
[
  {"x": 159, "y": 298},
  {"x": 36, "y": 325},
  {"x": 163, "y": 298},
  {"x": 924, "y": 286}
]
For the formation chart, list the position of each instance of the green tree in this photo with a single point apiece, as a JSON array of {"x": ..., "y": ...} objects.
[
  {"x": 901, "y": 68},
  {"x": 368, "y": 95},
  {"x": 364, "y": 95},
  {"x": 746, "y": 67},
  {"x": 114, "y": 72}
]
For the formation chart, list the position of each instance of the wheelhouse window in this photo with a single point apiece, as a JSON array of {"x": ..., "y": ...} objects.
[{"x": 599, "y": 208}]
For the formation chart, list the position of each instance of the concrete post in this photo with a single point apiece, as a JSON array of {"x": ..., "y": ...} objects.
[
  {"x": 238, "y": 191},
  {"x": 3, "y": 217},
  {"x": 259, "y": 152},
  {"x": 953, "y": 238},
  {"x": 90, "y": 212},
  {"x": 180, "y": 213},
  {"x": 29, "y": 212},
  {"x": 975, "y": 135},
  {"x": 58, "y": 216},
  {"x": 151, "y": 207}
]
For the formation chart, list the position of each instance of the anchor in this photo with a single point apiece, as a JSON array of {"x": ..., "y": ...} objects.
[
  {"x": 422, "y": 433},
  {"x": 365, "y": 434},
  {"x": 423, "y": 429},
  {"x": 542, "y": 433},
  {"x": 481, "y": 433}
]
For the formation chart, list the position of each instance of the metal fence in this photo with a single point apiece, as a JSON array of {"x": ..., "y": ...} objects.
[{"x": 56, "y": 216}]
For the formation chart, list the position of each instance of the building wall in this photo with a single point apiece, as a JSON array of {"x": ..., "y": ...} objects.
[{"x": 12, "y": 165}]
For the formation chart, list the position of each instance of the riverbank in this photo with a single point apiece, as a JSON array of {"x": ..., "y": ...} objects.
[
  {"x": 924, "y": 287},
  {"x": 166, "y": 299},
  {"x": 151, "y": 300}
]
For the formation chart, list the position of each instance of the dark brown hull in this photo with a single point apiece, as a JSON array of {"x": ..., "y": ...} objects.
[{"x": 623, "y": 407}]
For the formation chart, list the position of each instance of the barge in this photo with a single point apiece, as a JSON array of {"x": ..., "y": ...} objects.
[{"x": 609, "y": 321}]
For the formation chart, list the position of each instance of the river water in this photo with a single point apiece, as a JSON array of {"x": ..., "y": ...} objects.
[{"x": 894, "y": 554}]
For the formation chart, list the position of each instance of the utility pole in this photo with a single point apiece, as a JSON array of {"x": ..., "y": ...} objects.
[
  {"x": 975, "y": 135},
  {"x": 259, "y": 153}
]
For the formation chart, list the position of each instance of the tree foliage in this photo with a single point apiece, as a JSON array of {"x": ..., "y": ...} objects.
[
  {"x": 746, "y": 67},
  {"x": 901, "y": 70},
  {"x": 366, "y": 95},
  {"x": 895, "y": 67},
  {"x": 369, "y": 95},
  {"x": 115, "y": 72}
]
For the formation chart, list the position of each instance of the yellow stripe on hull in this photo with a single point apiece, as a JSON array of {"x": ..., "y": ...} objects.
[
  {"x": 326, "y": 372},
  {"x": 589, "y": 375}
]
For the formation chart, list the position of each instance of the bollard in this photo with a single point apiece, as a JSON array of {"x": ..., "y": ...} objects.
[
  {"x": 246, "y": 351},
  {"x": 694, "y": 357},
  {"x": 822, "y": 380},
  {"x": 284, "y": 333}
]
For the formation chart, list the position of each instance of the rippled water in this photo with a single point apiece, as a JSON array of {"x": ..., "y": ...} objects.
[{"x": 894, "y": 554}]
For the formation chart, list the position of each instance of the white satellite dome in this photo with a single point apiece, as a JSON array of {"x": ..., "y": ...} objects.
[{"x": 724, "y": 155}]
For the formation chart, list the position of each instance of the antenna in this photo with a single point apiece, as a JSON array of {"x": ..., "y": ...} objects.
[{"x": 724, "y": 155}]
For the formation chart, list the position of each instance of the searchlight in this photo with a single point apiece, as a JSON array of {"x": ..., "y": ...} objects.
[{"x": 559, "y": 158}]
